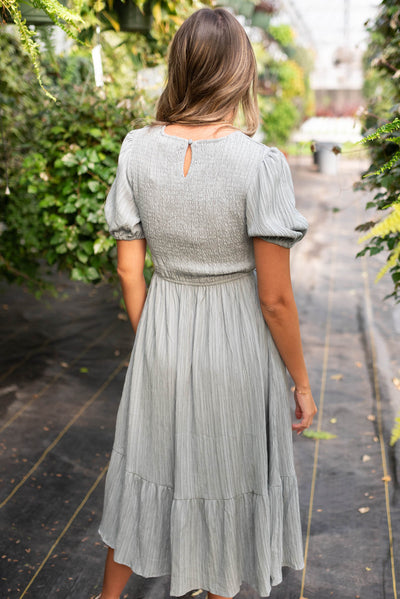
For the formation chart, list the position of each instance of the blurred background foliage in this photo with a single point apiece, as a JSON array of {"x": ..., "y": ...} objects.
[
  {"x": 59, "y": 157},
  {"x": 382, "y": 90}
]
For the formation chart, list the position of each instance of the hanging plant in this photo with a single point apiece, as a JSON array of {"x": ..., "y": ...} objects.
[{"x": 69, "y": 21}]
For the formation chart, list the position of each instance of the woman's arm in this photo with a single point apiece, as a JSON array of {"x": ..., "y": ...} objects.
[
  {"x": 131, "y": 256},
  {"x": 280, "y": 313}
]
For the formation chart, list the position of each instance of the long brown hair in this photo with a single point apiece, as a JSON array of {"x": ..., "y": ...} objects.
[{"x": 212, "y": 71}]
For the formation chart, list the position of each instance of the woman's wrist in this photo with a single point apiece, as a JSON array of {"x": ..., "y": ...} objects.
[{"x": 305, "y": 388}]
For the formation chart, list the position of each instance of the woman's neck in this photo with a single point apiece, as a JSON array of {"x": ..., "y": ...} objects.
[{"x": 208, "y": 130}]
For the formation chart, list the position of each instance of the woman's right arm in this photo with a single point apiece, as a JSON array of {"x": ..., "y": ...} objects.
[
  {"x": 280, "y": 313},
  {"x": 131, "y": 257}
]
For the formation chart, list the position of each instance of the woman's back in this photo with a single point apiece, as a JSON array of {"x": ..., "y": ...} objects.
[{"x": 201, "y": 224}]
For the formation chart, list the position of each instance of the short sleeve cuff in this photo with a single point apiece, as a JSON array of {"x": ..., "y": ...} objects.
[
  {"x": 120, "y": 210},
  {"x": 271, "y": 212}
]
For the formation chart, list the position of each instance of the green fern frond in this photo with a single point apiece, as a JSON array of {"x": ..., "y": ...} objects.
[
  {"x": 27, "y": 40},
  {"x": 390, "y": 224},
  {"x": 56, "y": 11},
  {"x": 61, "y": 16},
  {"x": 395, "y": 140},
  {"x": 389, "y": 164},
  {"x": 392, "y": 261},
  {"x": 387, "y": 128},
  {"x": 395, "y": 436}
]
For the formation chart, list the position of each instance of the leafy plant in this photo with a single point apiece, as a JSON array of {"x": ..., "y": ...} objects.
[
  {"x": 54, "y": 214},
  {"x": 279, "y": 117},
  {"x": 385, "y": 173},
  {"x": 285, "y": 93},
  {"x": 60, "y": 158},
  {"x": 386, "y": 233},
  {"x": 382, "y": 128}
]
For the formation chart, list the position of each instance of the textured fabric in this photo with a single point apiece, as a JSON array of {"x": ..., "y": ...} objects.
[{"x": 201, "y": 484}]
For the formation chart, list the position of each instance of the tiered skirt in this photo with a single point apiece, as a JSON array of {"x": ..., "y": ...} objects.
[{"x": 201, "y": 484}]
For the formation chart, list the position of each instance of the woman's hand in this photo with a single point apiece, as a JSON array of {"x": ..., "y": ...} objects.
[{"x": 305, "y": 410}]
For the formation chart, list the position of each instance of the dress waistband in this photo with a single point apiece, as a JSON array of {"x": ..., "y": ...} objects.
[{"x": 183, "y": 279}]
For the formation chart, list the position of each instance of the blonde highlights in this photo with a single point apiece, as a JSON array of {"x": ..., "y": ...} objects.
[{"x": 212, "y": 71}]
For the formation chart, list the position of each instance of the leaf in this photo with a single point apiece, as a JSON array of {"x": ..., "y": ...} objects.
[
  {"x": 311, "y": 434},
  {"x": 92, "y": 155},
  {"x": 102, "y": 244},
  {"x": 87, "y": 247},
  {"x": 82, "y": 257},
  {"x": 61, "y": 249},
  {"x": 82, "y": 169},
  {"x": 395, "y": 434},
  {"x": 69, "y": 209},
  {"x": 336, "y": 377},
  {"x": 77, "y": 275},
  {"x": 98, "y": 245},
  {"x": 93, "y": 186},
  {"x": 69, "y": 159},
  {"x": 157, "y": 13},
  {"x": 363, "y": 510},
  {"x": 96, "y": 132},
  {"x": 92, "y": 274}
]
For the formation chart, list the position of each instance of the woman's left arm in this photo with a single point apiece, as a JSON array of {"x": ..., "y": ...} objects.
[{"x": 131, "y": 257}]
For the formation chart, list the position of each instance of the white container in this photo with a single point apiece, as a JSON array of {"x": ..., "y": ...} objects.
[{"x": 326, "y": 159}]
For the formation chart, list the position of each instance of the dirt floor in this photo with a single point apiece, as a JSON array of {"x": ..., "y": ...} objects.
[{"x": 62, "y": 368}]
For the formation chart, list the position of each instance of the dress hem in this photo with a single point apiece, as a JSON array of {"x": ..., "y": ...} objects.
[
  {"x": 196, "y": 585},
  {"x": 156, "y": 534}
]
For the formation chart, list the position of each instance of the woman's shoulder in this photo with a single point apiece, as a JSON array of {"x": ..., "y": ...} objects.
[
  {"x": 135, "y": 141},
  {"x": 261, "y": 148},
  {"x": 260, "y": 157},
  {"x": 137, "y": 132}
]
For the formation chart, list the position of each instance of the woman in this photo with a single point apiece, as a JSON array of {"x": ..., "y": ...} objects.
[{"x": 201, "y": 484}]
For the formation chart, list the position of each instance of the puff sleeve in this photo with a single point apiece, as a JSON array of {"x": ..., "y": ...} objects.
[
  {"x": 271, "y": 213},
  {"x": 120, "y": 210}
]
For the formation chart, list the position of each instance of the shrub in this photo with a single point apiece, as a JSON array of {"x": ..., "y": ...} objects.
[{"x": 58, "y": 182}]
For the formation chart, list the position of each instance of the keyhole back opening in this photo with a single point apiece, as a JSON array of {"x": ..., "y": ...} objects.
[{"x": 188, "y": 158}]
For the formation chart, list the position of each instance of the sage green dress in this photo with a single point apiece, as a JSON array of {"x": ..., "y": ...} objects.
[{"x": 201, "y": 485}]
